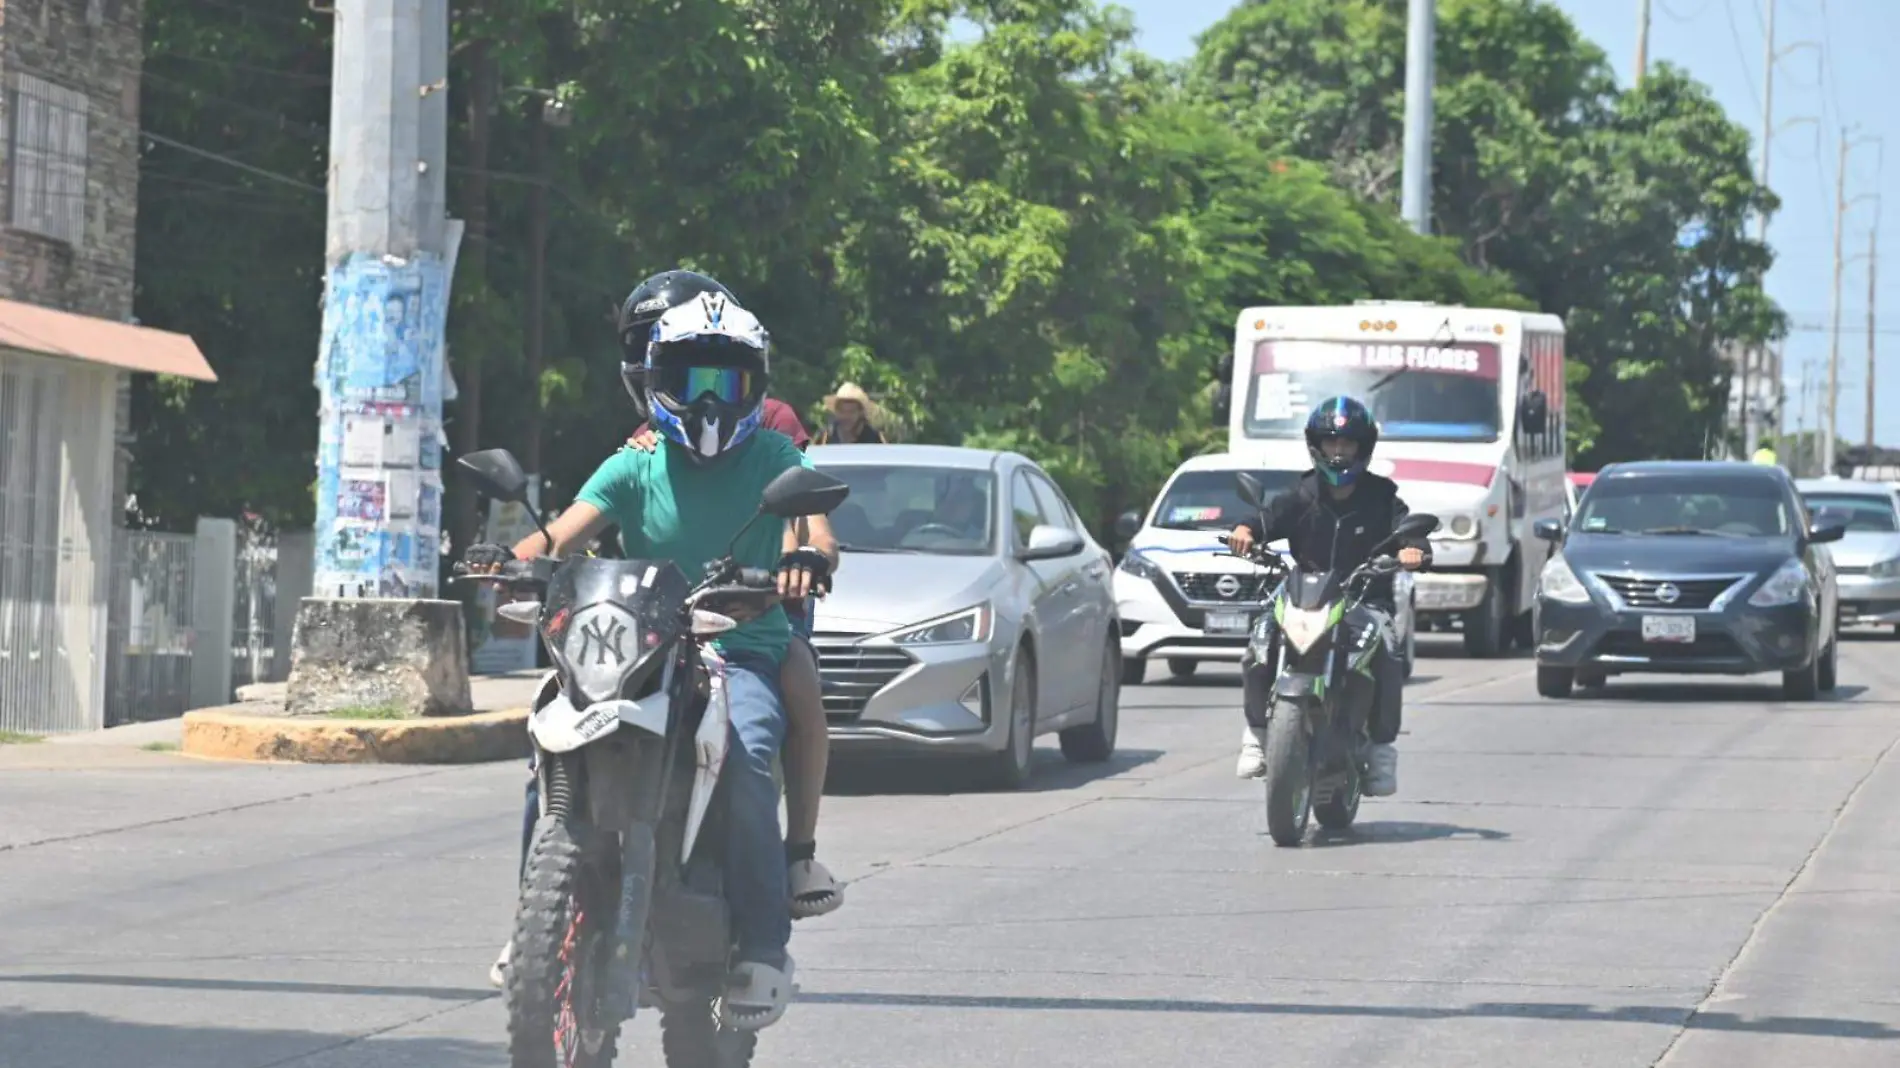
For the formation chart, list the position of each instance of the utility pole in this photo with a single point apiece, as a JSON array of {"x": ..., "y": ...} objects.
[
  {"x": 1873, "y": 262},
  {"x": 1751, "y": 356},
  {"x": 1420, "y": 45},
  {"x": 379, "y": 637},
  {"x": 1765, "y": 360},
  {"x": 1642, "y": 40},
  {"x": 1841, "y": 204}
]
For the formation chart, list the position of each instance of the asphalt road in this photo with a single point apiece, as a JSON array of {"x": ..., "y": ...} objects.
[{"x": 1692, "y": 876}]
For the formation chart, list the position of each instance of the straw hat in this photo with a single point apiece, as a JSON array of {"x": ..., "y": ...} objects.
[{"x": 850, "y": 391}]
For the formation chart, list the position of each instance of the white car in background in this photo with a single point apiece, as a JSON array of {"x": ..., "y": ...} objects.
[{"x": 1181, "y": 597}]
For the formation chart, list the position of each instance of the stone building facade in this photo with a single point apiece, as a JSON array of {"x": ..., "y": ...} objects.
[{"x": 69, "y": 171}]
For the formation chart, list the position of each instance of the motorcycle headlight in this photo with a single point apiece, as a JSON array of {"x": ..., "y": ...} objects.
[
  {"x": 969, "y": 625},
  {"x": 1303, "y": 629},
  {"x": 1139, "y": 566},
  {"x": 1561, "y": 584},
  {"x": 1788, "y": 585},
  {"x": 1885, "y": 568},
  {"x": 603, "y": 646}
]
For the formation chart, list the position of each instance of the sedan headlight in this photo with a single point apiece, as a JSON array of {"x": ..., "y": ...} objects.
[
  {"x": 1559, "y": 583},
  {"x": 1788, "y": 585},
  {"x": 969, "y": 625},
  {"x": 1457, "y": 527},
  {"x": 1885, "y": 568},
  {"x": 1140, "y": 566}
]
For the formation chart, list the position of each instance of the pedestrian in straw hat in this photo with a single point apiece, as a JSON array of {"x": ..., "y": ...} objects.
[{"x": 853, "y": 415}]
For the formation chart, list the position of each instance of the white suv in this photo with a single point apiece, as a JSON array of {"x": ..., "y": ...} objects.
[{"x": 1181, "y": 597}]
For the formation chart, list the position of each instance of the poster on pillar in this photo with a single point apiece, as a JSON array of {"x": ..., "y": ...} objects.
[{"x": 380, "y": 377}]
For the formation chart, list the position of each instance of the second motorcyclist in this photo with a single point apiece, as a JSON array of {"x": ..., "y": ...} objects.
[{"x": 1332, "y": 520}]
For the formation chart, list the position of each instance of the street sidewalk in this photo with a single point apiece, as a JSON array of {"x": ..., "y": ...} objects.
[{"x": 156, "y": 742}]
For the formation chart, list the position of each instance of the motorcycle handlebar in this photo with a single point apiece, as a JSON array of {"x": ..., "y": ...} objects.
[{"x": 512, "y": 572}]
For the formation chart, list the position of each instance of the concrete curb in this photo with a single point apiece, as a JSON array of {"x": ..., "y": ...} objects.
[{"x": 475, "y": 739}]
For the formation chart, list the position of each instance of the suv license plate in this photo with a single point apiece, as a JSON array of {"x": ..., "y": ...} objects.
[
  {"x": 1669, "y": 628},
  {"x": 1229, "y": 622}
]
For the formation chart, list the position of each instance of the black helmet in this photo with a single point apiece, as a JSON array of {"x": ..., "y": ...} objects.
[
  {"x": 1341, "y": 417},
  {"x": 643, "y": 307}
]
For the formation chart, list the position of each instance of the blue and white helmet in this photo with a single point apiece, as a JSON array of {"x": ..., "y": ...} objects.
[{"x": 708, "y": 365}]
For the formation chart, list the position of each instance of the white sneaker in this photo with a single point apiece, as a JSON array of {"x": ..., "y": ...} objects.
[
  {"x": 1382, "y": 777},
  {"x": 498, "y": 972},
  {"x": 1253, "y": 754}
]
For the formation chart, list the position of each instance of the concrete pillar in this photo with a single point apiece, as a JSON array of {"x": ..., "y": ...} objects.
[
  {"x": 213, "y": 605},
  {"x": 294, "y": 574}
]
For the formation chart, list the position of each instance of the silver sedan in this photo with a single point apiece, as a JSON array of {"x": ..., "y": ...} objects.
[
  {"x": 972, "y": 611},
  {"x": 1868, "y": 557}
]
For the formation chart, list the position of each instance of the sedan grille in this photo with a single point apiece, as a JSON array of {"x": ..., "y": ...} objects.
[
  {"x": 1203, "y": 586},
  {"x": 1689, "y": 593},
  {"x": 852, "y": 674}
]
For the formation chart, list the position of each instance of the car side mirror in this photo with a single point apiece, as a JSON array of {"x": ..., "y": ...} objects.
[
  {"x": 1128, "y": 524},
  {"x": 1533, "y": 412},
  {"x": 802, "y": 491},
  {"x": 1548, "y": 530},
  {"x": 1823, "y": 532},
  {"x": 1048, "y": 542}
]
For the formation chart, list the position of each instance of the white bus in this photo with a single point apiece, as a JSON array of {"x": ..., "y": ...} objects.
[{"x": 1470, "y": 404}]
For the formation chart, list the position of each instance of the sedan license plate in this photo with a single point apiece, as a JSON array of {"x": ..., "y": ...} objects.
[
  {"x": 1669, "y": 628},
  {"x": 1229, "y": 622}
]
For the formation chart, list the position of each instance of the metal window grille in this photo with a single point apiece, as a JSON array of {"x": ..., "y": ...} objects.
[{"x": 47, "y": 137}]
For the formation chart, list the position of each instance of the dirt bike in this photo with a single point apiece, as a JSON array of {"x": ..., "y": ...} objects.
[
  {"x": 1308, "y": 671},
  {"x": 622, "y": 899}
]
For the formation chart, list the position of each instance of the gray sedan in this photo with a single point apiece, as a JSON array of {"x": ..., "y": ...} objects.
[
  {"x": 1868, "y": 557},
  {"x": 972, "y": 611}
]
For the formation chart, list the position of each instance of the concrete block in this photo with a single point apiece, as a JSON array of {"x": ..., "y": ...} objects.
[{"x": 411, "y": 655}]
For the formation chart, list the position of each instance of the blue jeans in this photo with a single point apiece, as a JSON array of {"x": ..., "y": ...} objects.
[{"x": 757, "y": 888}]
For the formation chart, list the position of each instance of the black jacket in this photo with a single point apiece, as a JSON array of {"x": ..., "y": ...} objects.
[{"x": 1333, "y": 535}]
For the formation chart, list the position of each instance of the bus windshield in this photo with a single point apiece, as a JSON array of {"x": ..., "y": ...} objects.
[{"x": 1442, "y": 393}]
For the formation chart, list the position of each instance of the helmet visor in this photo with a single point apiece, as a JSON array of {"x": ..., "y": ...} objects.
[{"x": 685, "y": 385}]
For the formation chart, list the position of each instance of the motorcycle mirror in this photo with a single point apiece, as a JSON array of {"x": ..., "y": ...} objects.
[
  {"x": 520, "y": 611},
  {"x": 803, "y": 491},
  {"x": 706, "y": 624},
  {"x": 498, "y": 474},
  {"x": 1416, "y": 525},
  {"x": 1251, "y": 490}
]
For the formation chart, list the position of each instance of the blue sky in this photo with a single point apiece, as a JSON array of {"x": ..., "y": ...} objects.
[{"x": 1721, "y": 43}]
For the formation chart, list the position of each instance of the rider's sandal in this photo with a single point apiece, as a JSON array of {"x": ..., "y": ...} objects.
[
  {"x": 756, "y": 995},
  {"x": 814, "y": 891}
]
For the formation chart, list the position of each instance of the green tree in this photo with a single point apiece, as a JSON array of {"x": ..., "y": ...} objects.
[{"x": 1542, "y": 170}]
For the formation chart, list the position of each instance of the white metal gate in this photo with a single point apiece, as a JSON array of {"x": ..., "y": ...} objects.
[
  {"x": 149, "y": 674},
  {"x": 55, "y": 539}
]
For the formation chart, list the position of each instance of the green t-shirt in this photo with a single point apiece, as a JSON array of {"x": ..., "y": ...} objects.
[{"x": 669, "y": 507}]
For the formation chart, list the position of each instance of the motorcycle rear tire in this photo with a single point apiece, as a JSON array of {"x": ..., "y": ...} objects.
[
  {"x": 551, "y": 887},
  {"x": 1289, "y": 788},
  {"x": 691, "y": 1037}
]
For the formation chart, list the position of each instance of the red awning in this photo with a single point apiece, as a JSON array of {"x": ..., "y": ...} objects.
[{"x": 31, "y": 328}]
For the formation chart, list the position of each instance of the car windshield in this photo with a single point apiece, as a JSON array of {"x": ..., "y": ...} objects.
[
  {"x": 1445, "y": 393},
  {"x": 1686, "y": 504},
  {"x": 1210, "y": 500},
  {"x": 941, "y": 511},
  {"x": 1863, "y": 511}
]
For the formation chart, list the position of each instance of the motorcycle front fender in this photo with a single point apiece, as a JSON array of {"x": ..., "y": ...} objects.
[{"x": 559, "y": 727}]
